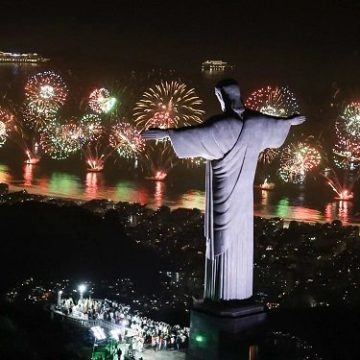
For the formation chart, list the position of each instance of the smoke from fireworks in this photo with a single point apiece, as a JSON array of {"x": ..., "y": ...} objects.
[
  {"x": 45, "y": 92},
  {"x": 100, "y": 101},
  {"x": 273, "y": 101},
  {"x": 126, "y": 139},
  {"x": 168, "y": 104},
  {"x": 344, "y": 188}
]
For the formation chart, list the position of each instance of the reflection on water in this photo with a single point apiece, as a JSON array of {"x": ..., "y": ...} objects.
[
  {"x": 338, "y": 210},
  {"x": 329, "y": 212},
  {"x": 129, "y": 191},
  {"x": 158, "y": 193},
  {"x": 93, "y": 181},
  {"x": 344, "y": 210},
  {"x": 296, "y": 209},
  {"x": 28, "y": 174},
  {"x": 63, "y": 184},
  {"x": 264, "y": 197},
  {"x": 12, "y": 70},
  {"x": 282, "y": 209},
  {"x": 193, "y": 199}
]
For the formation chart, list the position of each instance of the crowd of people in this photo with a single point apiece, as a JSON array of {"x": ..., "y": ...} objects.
[{"x": 130, "y": 327}]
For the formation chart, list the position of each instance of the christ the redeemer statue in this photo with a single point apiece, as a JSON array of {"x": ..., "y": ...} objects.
[{"x": 231, "y": 142}]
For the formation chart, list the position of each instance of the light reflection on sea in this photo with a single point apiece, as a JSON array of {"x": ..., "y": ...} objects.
[{"x": 158, "y": 193}]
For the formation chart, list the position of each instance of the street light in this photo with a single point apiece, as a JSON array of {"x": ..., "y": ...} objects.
[{"x": 81, "y": 289}]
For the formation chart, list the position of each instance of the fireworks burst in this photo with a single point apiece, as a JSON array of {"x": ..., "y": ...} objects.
[
  {"x": 346, "y": 149},
  {"x": 163, "y": 120},
  {"x": 159, "y": 175},
  {"x": 159, "y": 158},
  {"x": 95, "y": 154},
  {"x": 38, "y": 121},
  {"x": 126, "y": 139},
  {"x": 169, "y": 104},
  {"x": 60, "y": 141},
  {"x": 342, "y": 189},
  {"x": 31, "y": 159},
  {"x": 95, "y": 164},
  {"x": 100, "y": 101},
  {"x": 45, "y": 92},
  {"x": 273, "y": 101},
  {"x": 91, "y": 127},
  {"x": 296, "y": 160},
  {"x": 3, "y": 133},
  {"x": 351, "y": 117},
  {"x": 6, "y": 124}
]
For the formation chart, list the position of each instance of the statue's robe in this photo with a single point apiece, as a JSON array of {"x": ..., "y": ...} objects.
[{"x": 232, "y": 146}]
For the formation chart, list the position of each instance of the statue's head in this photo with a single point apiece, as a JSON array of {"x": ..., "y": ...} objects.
[{"x": 228, "y": 94}]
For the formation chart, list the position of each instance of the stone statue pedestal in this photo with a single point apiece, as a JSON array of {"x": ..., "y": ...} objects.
[{"x": 225, "y": 330}]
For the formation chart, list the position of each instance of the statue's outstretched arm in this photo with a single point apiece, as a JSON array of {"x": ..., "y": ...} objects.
[
  {"x": 296, "y": 119},
  {"x": 210, "y": 139},
  {"x": 272, "y": 131},
  {"x": 159, "y": 134},
  {"x": 155, "y": 134}
]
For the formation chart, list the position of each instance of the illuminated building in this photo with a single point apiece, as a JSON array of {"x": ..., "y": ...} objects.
[
  {"x": 21, "y": 58},
  {"x": 216, "y": 66}
]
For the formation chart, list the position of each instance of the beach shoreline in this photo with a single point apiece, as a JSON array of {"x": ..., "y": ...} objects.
[{"x": 80, "y": 201}]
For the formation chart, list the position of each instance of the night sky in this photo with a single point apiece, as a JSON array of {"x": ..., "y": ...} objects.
[{"x": 307, "y": 44}]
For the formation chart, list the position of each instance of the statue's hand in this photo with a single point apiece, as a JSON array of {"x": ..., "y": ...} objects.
[
  {"x": 155, "y": 134},
  {"x": 297, "y": 119}
]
